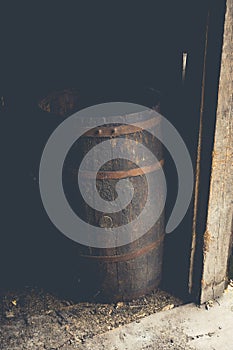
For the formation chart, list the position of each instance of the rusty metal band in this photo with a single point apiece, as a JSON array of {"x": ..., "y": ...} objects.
[
  {"x": 121, "y": 174},
  {"x": 107, "y": 131},
  {"x": 127, "y": 256}
]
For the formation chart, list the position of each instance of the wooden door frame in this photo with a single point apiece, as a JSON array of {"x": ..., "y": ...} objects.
[{"x": 213, "y": 197}]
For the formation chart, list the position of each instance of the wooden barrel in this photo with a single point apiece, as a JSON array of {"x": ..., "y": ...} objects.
[
  {"x": 132, "y": 270},
  {"x": 61, "y": 103}
]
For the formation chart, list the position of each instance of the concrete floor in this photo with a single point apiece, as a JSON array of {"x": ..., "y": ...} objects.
[{"x": 184, "y": 327}]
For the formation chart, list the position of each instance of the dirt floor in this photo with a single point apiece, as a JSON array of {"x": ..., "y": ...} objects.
[{"x": 32, "y": 318}]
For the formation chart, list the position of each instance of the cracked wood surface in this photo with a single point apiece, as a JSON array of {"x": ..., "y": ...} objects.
[{"x": 220, "y": 209}]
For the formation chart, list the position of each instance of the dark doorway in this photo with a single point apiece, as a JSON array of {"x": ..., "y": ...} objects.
[{"x": 108, "y": 52}]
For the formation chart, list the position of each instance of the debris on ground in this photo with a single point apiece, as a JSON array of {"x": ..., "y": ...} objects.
[{"x": 35, "y": 319}]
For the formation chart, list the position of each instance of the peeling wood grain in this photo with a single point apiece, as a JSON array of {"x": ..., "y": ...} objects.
[{"x": 220, "y": 208}]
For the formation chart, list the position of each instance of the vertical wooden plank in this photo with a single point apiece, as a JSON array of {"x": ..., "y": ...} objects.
[
  {"x": 218, "y": 231},
  {"x": 195, "y": 240},
  {"x": 207, "y": 126}
]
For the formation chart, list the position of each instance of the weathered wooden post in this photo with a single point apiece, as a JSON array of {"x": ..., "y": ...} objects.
[{"x": 217, "y": 235}]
